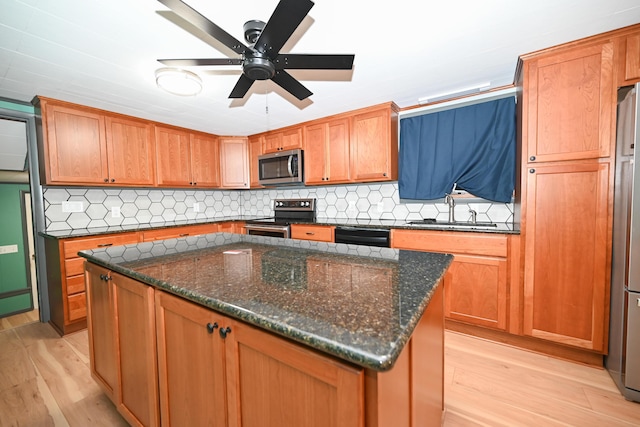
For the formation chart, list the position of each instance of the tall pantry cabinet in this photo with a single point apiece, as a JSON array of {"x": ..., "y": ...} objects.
[{"x": 567, "y": 104}]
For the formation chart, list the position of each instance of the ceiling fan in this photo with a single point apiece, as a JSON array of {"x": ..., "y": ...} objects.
[{"x": 261, "y": 59}]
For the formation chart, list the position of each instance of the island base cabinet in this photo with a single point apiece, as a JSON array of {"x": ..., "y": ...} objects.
[
  {"x": 272, "y": 382},
  {"x": 190, "y": 364},
  {"x": 412, "y": 392}
]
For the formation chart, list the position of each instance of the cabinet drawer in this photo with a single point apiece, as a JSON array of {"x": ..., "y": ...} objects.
[
  {"x": 72, "y": 247},
  {"x": 77, "y": 306},
  {"x": 75, "y": 284},
  {"x": 312, "y": 232},
  {"x": 172, "y": 233},
  {"x": 450, "y": 242},
  {"x": 74, "y": 266}
]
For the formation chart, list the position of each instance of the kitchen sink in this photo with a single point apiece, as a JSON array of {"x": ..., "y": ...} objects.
[{"x": 432, "y": 223}]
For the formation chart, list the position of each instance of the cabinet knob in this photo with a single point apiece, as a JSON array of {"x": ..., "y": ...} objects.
[
  {"x": 103, "y": 277},
  {"x": 225, "y": 331},
  {"x": 532, "y": 170},
  {"x": 195, "y": 183},
  {"x": 211, "y": 327},
  {"x": 113, "y": 180},
  {"x": 384, "y": 174},
  {"x": 106, "y": 180},
  {"x": 532, "y": 158}
]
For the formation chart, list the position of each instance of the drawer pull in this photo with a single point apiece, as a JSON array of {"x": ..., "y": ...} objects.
[
  {"x": 310, "y": 233},
  {"x": 104, "y": 245},
  {"x": 184, "y": 234}
]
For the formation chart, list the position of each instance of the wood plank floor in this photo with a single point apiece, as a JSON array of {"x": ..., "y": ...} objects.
[{"x": 45, "y": 381}]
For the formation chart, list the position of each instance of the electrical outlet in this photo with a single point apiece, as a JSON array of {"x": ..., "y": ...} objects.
[
  {"x": 380, "y": 207},
  {"x": 115, "y": 212},
  {"x": 196, "y": 207},
  {"x": 72, "y": 207}
]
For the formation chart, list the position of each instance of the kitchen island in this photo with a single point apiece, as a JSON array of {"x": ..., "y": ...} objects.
[{"x": 226, "y": 329}]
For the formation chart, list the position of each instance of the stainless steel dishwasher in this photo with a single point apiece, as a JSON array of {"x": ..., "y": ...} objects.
[{"x": 363, "y": 236}]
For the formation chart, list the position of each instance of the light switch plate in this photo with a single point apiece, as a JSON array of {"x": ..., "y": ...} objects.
[
  {"x": 115, "y": 212},
  {"x": 8, "y": 249},
  {"x": 196, "y": 207}
]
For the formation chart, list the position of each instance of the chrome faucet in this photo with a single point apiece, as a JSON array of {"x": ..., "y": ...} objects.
[
  {"x": 474, "y": 216},
  {"x": 449, "y": 200}
]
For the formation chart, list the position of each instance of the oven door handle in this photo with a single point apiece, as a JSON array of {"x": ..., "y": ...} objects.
[{"x": 275, "y": 228}]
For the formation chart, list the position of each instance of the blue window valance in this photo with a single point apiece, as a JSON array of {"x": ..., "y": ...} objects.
[{"x": 472, "y": 146}]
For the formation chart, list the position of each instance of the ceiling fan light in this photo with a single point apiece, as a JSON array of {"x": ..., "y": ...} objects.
[{"x": 178, "y": 82}]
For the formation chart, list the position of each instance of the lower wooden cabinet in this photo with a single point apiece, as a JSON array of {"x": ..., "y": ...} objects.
[
  {"x": 65, "y": 277},
  {"x": 476, "y": 284},
  {"x": 122, "y": 343},
  {"x": 320, "y": 233},
  {"x": 175, "y": 232}
]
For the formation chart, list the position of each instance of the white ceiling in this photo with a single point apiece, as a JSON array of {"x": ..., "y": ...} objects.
[{"x": 103, "y": 53}]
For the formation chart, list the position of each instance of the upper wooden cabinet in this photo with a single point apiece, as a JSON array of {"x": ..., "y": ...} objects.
[
  {"x": 374, "y": 144},
  {"x": 234, "y": 162},
  {"x": 186, "y": 159},
  {"x": 85, "y": 146},
  {"x": 284, "y": 139},
  {"x": 569, "y": 110},
  {"x": 629, "y": 60},
  {"x": 255, "y": 149},
  {"x": 327, "y": 152}
]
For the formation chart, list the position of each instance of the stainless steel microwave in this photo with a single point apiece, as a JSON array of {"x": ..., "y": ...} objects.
[{"x": 281, "y": 168}]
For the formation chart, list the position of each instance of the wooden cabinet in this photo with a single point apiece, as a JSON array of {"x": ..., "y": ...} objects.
[
  {"x": 282, "y": 140},
  {"x": 255, "y": 149},
  {"x": 477, "y": 282},
  {"x": 570, "y": 104},
  {"x": 186, "y": 159},
  {"x": 175, "y": 232},
  {"x": 86, "y": 146},
  {"x": 320, "y": 233},
  {"x": 130, "y": 151},
  {"x": 629, "y": 47},
  {"x": 65, "y": 277},
  {"x": 374, "y": 144},
  {"x": 190, "y": 363},
  {"x": 327, "y": 152},
  {"x": 236, "y": 227},
  {"x": 122, "y": 343},
  {"x": 568, "y": 139},
  {"x": 567, "y": 246},
  {"x": 234, "y": 162}
]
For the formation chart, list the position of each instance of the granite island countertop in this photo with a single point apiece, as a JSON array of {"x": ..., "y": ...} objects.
[{"x": 360, "y": 304}]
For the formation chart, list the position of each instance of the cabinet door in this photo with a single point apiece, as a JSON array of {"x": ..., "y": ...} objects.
[
  {"x": 319, "y": 233},
  {"x": 315, "y": 159},
  {"x": 338, "y": 151},
  {"x": 371, "y": 146},
  {"x": 255, "y": 150},
  {"x": 272, "y": 142},
  {"x": 190, "y": 364},
  {"x": 291, "y": 139},
  {"x": 130, "y": 151},
  {"x": 570, "y": 103},
  {"x": 632, "y": 59},
  {"x": 101, "y": 329},
  {"x": 234, "y": 163},
  {"x": 75, "y": 147},
  {"x": 567, "y": 245},
  {"x": 173, "y": 157},
  {"x": 205, "y": 161},
  {"x": 272, "y": 383},
  {"x": 476, "y": 291},
  {"x": 136, "y": 344}
]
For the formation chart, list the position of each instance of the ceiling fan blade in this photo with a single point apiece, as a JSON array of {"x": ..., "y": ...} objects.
[
  {"x": 242, "y": 87},
  {"x": 314, "y": 62},
  {"x": 196, "y": 19},
  {"x": 291, "y": 85},
  {"x": 283, "y": 22},
  {"x": 196, "y": 62}
]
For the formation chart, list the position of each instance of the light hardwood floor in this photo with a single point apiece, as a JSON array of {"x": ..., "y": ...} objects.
[{"x": 45, "y": 381}]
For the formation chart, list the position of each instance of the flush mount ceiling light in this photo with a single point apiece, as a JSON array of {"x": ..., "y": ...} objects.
[{"x": 178, "y": 82}]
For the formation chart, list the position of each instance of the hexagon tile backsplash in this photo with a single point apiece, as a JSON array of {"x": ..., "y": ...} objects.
[{"x": 109, "y": 207}]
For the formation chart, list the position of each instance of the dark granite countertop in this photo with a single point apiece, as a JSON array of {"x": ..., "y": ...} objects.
[
  {"x": 502, "y": 228},
  {"x": 358, "y": 303}
]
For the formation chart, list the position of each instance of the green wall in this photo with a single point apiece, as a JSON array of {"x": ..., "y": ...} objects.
[{"x": 15, "y": 294}]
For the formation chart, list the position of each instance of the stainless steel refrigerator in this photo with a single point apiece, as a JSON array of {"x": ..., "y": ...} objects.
[{"x": 623, "y": 360}]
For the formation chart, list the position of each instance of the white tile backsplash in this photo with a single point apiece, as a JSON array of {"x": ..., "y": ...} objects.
[{"x": 145, "y": 206}]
